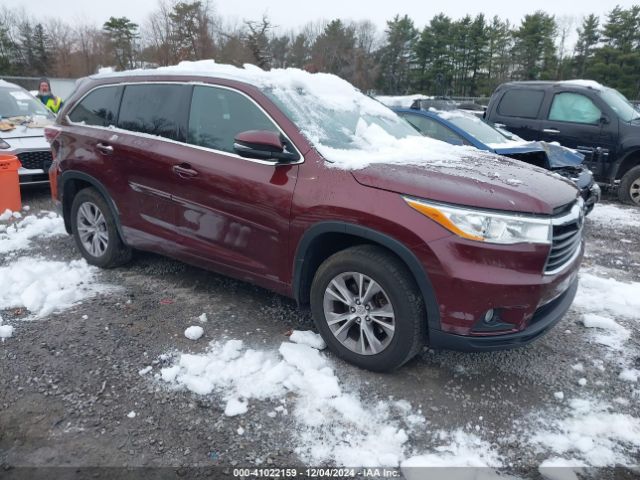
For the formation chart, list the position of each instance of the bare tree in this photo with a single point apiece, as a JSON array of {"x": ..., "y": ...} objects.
[
  {"x": 62, "y": 44},
  {"x": 565, "y": 25},
  {"x": 90, "y": 47},
  {"x": 258, "y": 41}
]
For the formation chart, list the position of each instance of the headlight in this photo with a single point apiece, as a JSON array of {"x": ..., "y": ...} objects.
[
  {"x": 485, "y": 226},
  {"x": 4, "y": 145}
]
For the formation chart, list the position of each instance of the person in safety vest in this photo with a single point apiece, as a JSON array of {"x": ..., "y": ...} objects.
[{"x": 47, "y": 97}]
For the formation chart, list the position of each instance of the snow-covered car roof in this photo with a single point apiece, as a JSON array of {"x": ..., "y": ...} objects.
[{"x": 348, "y": 128}]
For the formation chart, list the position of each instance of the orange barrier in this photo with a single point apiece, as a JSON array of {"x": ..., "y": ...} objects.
[{"x": 9, "y": 183}]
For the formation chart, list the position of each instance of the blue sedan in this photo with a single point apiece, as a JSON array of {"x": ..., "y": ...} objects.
[{"x": 460, "y": 128}]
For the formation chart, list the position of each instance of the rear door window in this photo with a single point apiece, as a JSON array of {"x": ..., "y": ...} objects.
[
  {"x": 521, "y": 103},
  {"x": 218, "y": 115},
  {"x": 98, "y": 108},
  {"x": 155, "y": 109},
  {"x": 574, "y": 107}
]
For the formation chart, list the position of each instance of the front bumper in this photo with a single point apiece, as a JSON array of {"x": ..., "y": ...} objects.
[
  {"x": 591, "y": 196},
  {"x": 542, "y": 321},
  {"x": 32, "y": 176}
]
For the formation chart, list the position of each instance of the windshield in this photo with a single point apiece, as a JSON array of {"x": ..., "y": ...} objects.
[
  {"x": 338, "y": 126},
  {"x": 619, "y": 104},
  {"x": 15, "y": 102},
  {"x": 477, "y": 129}
]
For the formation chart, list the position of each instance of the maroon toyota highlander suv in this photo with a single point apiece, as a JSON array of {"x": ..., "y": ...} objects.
[{"x": 300, "y": 184}]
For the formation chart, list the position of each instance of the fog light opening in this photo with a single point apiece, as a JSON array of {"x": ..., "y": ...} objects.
[
  {"x": 491, "y": 321},
  {"x": 488, "y": 317}
]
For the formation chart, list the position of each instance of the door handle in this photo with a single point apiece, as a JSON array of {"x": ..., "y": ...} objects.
[
  {"x": 104, "y": 149},
  {"x": 554, "y": 131},
  {"x": 184, "y": 170}
]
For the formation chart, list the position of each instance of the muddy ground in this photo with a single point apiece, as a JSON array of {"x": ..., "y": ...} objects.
[{"x": 67, "y": 381}]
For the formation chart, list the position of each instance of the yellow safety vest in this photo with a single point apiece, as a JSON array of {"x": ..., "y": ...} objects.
[{"x": 53, "y": 104}]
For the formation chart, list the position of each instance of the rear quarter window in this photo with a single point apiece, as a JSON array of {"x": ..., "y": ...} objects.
[
  {"x": 521, "y": 103},
  {"x": 98, "y": 108},
  {"x": 155, "y": 109}
]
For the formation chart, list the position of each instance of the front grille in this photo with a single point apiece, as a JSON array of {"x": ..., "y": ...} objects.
[
  {"x": 567, "y": 238},
  {"x": 34, "y": 160}
]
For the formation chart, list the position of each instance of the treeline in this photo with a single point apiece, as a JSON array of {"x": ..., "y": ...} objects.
[{"x": 464, "y": 57}]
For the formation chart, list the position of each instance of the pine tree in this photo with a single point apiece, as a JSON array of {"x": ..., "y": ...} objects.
[
  {"x": 396, "y": 56},
  {"x": 588, "y": 36},
  {"x": 534, "y": 48},
  {"x": 121, "y": 34},
  {"x": 41, "y": 48}
]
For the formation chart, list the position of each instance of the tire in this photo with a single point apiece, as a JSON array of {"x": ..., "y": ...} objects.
[
  {"x": 349, "y": 338},
  {"x": 89, "y": 214},
  {"x": 629, "y": 188}
]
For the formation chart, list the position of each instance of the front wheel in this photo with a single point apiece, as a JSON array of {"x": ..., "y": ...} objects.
[
  {"x": 95, "y": 232},
  {"x": 368, "y": 309},
  {"x": 629, "y": 189}
]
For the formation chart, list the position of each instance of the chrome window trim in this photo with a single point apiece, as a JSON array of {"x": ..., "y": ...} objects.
[{"x": 116, "y": 129}]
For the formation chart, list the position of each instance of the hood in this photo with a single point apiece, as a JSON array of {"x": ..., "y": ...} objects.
[
  {"x": 556, "y": 155},
  {"x": 22, "y": 131},
  {"x": 497, "y": 184}
]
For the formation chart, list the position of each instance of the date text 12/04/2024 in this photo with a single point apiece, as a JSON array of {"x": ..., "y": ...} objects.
[{"x": 316, "y": 472}]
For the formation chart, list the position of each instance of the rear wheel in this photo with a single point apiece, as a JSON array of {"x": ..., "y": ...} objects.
[
  {"x": 95, "y": 232},
  {"x": 368, "y": 309},
  {"x": 629, "y": 189}
]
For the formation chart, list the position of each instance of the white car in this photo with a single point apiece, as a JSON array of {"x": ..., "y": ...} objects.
[{"x": 22, "y": 122}]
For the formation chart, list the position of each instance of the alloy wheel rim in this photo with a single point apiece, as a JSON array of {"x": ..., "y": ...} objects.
[
  {"x": 92, "y": 229},
  {"x": 634, "y": 191},
  {"x": 359, "y": 313}
]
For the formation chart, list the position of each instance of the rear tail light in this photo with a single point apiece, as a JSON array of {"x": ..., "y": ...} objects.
[{"x": 51, "y": 133}]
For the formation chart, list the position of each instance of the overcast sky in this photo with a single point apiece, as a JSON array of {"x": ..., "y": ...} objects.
[{"x": 293, "y": 13}]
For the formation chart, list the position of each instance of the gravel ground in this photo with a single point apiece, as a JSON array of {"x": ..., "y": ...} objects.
[{"x": 68, "y": 380}]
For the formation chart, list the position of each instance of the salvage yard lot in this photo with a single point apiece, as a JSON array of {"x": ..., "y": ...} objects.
[{"x": 100, "y": 373}]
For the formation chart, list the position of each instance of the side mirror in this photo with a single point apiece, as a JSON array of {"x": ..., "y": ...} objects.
[
  {"x": 604, "y": 120},
  {"x": 264, "y": 145}
]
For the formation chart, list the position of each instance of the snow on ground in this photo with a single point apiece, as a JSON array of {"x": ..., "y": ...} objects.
[
  {"x": 307, "y": 337},
  {"x": 598, "y": 294},
  {"x": 607, "y": 214},
  {"x": 6, "y": 331},
  {"x": 333, "y": 424},
  {"x": 606, "y": 331},
  {"x": 591, "y": 432},
  {"x": 194, "y": 332},
  {"x": 18, "y": 235},
  {"x": 44, "y": 286}
]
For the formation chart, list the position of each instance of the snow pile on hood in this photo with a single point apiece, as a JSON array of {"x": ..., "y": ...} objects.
[
  {"x": 333, "y": 425},
  {"x": 18, "y": 235},
  {"x": 591, "y": 433},
  {"x": 346, "y": 127},
  {"x": 44, "y": 286}
]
